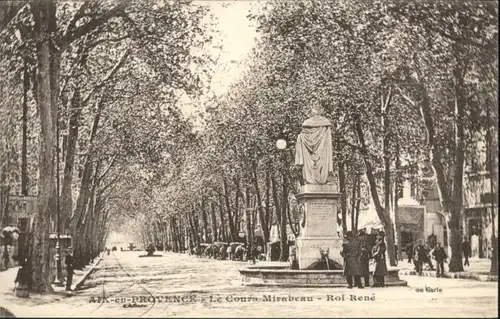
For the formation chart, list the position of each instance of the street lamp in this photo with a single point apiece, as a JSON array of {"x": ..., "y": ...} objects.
[{"x": 281, "y": 144}]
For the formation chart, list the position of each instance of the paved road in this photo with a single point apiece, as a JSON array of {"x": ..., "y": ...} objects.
[{"x": 186, "y": 286}]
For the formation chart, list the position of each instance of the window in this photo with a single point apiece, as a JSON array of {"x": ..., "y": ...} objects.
[
  {"x": 406, "y": 238},
  {"x": 400, "y": 191},
  {"x": 413, "y": 190},
  {"x": 23, "y": 224}
]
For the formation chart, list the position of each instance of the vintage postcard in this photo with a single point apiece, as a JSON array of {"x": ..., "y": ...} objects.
[{"x": 248, "y": 158}]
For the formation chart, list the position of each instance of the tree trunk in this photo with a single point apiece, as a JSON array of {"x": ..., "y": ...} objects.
[
  {"x": 204, "y": 218},
  {"x": 237, "y": 197},
  {"x": 397, "y": 182},
  {"x": 268, "y": 199},
  {"x": 383, "y": 215},
  {"x": 276, "y": 201},
  {"x": 454, "y": 235},
  {"x": 358, "y": 201},
  {"x": 213, "y": 218},
  {"x": 283, "y": 232},
  {"x": 222, "y": 220},
  {"x": 173, "y": 232},
  {"x": 292, "y": 221},
  {"x": 24, "y": 147},
  {"x": 81, "y": 247},
  {"x": 262, "y": 217},
  {"x": 248, "y": 221},
  {"x": 69, "y": 154},
  {"x": 343, "y": 200},
  {"x": 492, "y": 153},
  {"x": 451, "y": 201},
  {"x": 85, "y": 186},
  {"x": 43, "y": 12},
  {"x": 353, "y": 204},
  {"x": 230, "y": 218},
  {"x": 192, "y": 227}
]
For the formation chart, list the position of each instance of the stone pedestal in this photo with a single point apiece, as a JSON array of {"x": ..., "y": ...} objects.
[{"x": 318, "y": 225}]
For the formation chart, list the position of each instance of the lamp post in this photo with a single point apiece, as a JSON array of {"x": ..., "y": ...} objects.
[
  {"x": 59, "y": 281},
  {"x": 281, "y": 144}
]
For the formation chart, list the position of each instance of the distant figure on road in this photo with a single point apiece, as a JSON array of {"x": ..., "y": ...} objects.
[
  {"x": 229, "y": 252},
  {"x": 364, "y": 258},
  {"x": 428, "y": 247},
  {"x": 409, "y": 251},
  {"x": 440, "y": 255},
  {"x": 378, "y": 253},
  {"x": 396, "y": 253},
  {"x": 466, "y": 250},
  {"x": 351, "y": 252},
  {"x": 22, "y": 281},
  {"x": 70, "y": 266},
  {"x": 419, "y": 256}
]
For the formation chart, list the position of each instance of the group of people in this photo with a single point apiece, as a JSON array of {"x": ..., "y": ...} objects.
[
  {"x": 23, "y": 277},
  {"x": 357, "y": 254},
  {"x": 228, "y": 251},
  {"x": 422, "y": 254}
]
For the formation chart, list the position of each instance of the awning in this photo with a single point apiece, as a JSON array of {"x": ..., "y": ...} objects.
[{"x": 410, "y": 219}]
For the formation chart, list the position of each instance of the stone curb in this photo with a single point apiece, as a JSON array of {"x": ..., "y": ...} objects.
[
  {"x": 80, "y": 283},
  {"x": 399, "y": 283},
  {"x": 451, "y": 275}
]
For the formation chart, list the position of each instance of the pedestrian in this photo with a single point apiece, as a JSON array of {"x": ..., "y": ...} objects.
[
  {"x": 238, "y": 252},
  {"x": 5, "y": 257},
  {"x": 364, "y": 258},
  {"x": 253, "y": 252},
  {"x": 467, "y": 252},
  {"x": 440, "y": 255},
  {"x": 229, "y": 252},
  {"x": 70, "y": 266},
  {"x": 244, "y": 254},
  {"x": 378, "y": 253},
  {"x": 22, "y": 281},
  {"x": 396, "y": 253},
  {"x": 351, "y": 251},
  {"x": 409, "y": 251},
  {"x": 419, "y": 256},
  {"x": 428, "y": 247}
]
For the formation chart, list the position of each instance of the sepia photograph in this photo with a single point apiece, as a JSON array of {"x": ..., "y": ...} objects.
[{"x": 249, "y": 158}]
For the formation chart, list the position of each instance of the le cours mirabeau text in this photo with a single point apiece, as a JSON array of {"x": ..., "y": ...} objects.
[{"x": 191, "y": 298}]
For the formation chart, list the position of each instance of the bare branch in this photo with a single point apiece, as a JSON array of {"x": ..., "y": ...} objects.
[
  {"x": 117, "y": 39},
  {"x": 76, "y": 17},
  {"x": 75, "y": 33},
  {"x": 108, "y": 168},
  {"x": 407, "y": 98},
  {"x": 110, "y": 74},
  {"x": 388, "y": 99}
]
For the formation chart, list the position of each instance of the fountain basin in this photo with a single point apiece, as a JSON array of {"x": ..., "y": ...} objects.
[{"x": 283, "y": 276}]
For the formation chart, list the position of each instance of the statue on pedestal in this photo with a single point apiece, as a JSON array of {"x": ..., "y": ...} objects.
[{"x": 313, "y": 151}]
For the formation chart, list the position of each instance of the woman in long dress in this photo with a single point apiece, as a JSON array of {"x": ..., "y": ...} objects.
[{"x": 378, "y": 254}]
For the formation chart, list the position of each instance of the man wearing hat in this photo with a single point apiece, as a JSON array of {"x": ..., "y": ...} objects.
[
  {"x": 364, "y": 258},
  {"x": 378, "y": 253},
  {"x": 70, "y": 266},
  {"x": 351, "y": 252}
]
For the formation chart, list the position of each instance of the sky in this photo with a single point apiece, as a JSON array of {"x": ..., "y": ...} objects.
[{"x": 237, "y": 35}]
